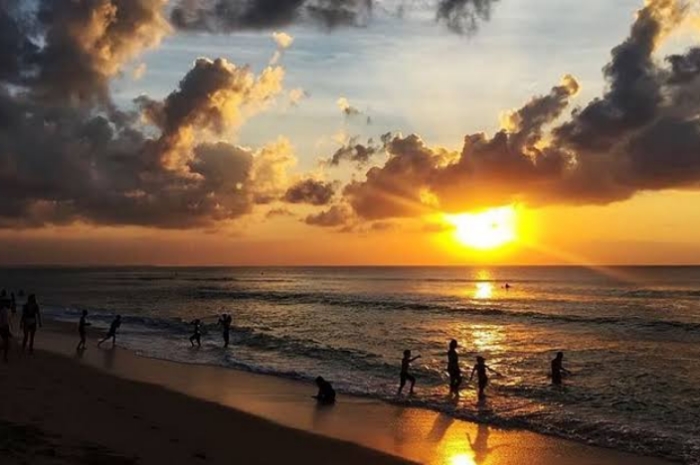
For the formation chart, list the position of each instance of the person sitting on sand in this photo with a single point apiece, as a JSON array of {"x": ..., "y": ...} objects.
[
  {"x": 326, "y": 393},
  {"x": 5, "y": 329},
  {"x": 112, "y": 333},
  {"x": 82, "y": 324},
  {"x": 453, "y": 368},
  {"x": 480, "y": 369},
  {"x": 31, "y": 316},
  {"x": 405, "y": 364},
  {"x": 225, "y": 322},
  {"x": 558, "y": 370},
  {"x": 197, "y": 335}
]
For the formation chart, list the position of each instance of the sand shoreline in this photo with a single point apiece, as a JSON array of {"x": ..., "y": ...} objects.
[{"x": 384, "y": 433}]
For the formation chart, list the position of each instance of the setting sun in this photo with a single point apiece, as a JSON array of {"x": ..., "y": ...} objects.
[{"x": 485, "y": 230}]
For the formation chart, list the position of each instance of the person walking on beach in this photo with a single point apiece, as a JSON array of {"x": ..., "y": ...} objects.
[
  {"x": 326, "y": 393},
  {"x": 558, "y": 370},
  {"x": 225, "y": 322},
  {"x": 480, "y": 369},
  {"x": 405, "y": 375},
  {"x": 112, "y": 333},
  {"x": 197, "y": 335},
  {"x": 5, "y": 329},
  {"x": 453, "y": 368},
  {"x": 31, "y": 316},
  {"x": 82, "y": 325}
]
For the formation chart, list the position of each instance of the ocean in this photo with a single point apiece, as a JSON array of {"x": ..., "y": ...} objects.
[{"x": 631, "y": 336}]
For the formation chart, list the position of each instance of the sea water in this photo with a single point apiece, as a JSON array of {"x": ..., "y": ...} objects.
[{"x": 631, "y": 336}]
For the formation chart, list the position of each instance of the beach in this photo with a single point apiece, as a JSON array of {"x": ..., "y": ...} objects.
[{"x": 113, "y": 407}]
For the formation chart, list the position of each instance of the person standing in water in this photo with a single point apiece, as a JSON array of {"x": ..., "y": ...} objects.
[
  {"x": 31, "y": 316},
  {"x": 405, "y": 376},
  {"x": 326, "y": 393},
  {"x": 112, "y": 333},
  {"x": 225, "y": 322},
  {"x": 558, "y": 370},
  {"x": 480, "y": 369},
  {"x": 197, "y": 335},
  {"x": 5, "y": 329},
  {"x": 82, "y": 324},
  {"x": 453, "y": 368}
]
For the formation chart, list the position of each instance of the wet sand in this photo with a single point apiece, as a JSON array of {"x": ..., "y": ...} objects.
[{"x": 138, "y": 410}]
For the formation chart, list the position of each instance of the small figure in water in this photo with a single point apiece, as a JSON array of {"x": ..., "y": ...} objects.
[
  {"x": 480, "y": 369},
  {"x": 326, "y": 393},
  {"x": 112, "y": 333},
  {"x": 453, "y": 368},
  {"x": 405, "y": 364},
  {"x": 225, "y": 322},
  {"x": 28, "y": 322},
  {"x": 507, "y": 287},
  {"x": 197, "y": 335},
  {"x": 5, "y": 329},
  {"x": 558, "y": 370},
  {"x": 81, "y": 330}
]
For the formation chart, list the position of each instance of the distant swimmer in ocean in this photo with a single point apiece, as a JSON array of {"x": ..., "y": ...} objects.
[
  {"x": 82, "y": 325},
  {"x": 480, "y": 369},
  {"x": 506, "y": 286},
  {"x": 31, "y": 316},
  {"x": 326, "y": 393},
  {"x": 453, "y": 368},
  {"x": 197, "y": 335},
  {"x": 405, "y": 375},
  {"x": 558, "y": 370},
  {"x": 5, "y": 329},
  {"x": 225, "y": 322},
  {"x": 112, "y": 333}
]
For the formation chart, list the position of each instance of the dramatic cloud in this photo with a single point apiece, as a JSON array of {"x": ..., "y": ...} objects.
[
  {"x": 642, "y": 134},
  {"x": 310, "y": 191},
  {"x": 67, "y": 154},
  {"x": 236, "y": 15},
  {"x": 344, "y": 105},
  {"x": 464, "y": 16},
  {"x": 337, "y": 215},
  {"x": 359, "y": 154}
]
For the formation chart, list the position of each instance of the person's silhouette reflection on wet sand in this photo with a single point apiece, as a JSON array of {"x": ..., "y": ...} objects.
[{"x": 480, "y": 445}]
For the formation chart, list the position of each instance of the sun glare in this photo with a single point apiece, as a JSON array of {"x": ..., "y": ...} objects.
[{"x": 485, "y": 230}]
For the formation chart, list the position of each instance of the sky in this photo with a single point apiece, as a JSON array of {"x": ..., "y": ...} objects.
[{"x": 317, "y": 132}]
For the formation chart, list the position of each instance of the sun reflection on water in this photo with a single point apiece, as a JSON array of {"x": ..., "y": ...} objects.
[
  {"x": 483, "y": 291},
  {"x": 462, "y": 459}
]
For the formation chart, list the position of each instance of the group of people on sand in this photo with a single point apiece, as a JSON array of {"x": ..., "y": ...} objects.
[
  {"x": 225, "y": 322},
  {"x": 29, "y": 320},
  {"x": 326, "y": 393}
]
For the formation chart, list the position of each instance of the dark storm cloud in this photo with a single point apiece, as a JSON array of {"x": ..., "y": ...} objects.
[
  {"x": 310, "y": 191},
  {"x": 235, "y": 15},
  {"x": 642, "y": 134},
  {"x": 464, "y": 16},
  {"x": 67, "y": 154}
]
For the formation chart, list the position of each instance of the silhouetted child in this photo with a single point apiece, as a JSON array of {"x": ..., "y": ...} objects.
[
  {"x": 82, "y": 325},
  {"x": 31, "y": 316},
  {"x": 112, "y": 333},
  {"x": 225, "y": 322},
  {"x": 405, "y": 364},
  {"x": 453, "y": 368},
  {"x": 326, "y": 393},
  {"x": 197, "y": 335},
  {"x": 480, "y": 369},
  {"x": 557, "y": 369}
]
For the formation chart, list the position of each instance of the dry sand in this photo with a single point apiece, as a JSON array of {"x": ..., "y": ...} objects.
[{"x": 60, "y": 408}]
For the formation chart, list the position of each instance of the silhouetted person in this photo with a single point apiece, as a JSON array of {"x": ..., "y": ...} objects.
[
  {"x": 197, "y": 335},
  {"x": 405, "y": 375},
  {"x": 112, "y": 333},
  {"x": 225, "y": 322},
  {"x": 5, "y": 329},
  {"x": 453, "y": 368},
  {"x": 507, "y": 287},
  {"x": 82, "y": 325},
  {"x": 557, "y": 369},
  {"x": 480, "y": 369},
  {"x": 326, "y": 393},
  {"x": 31, "y": 316}
]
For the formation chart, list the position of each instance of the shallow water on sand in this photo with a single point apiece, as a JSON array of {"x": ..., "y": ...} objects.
[{"x": 631, "y": 336}]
